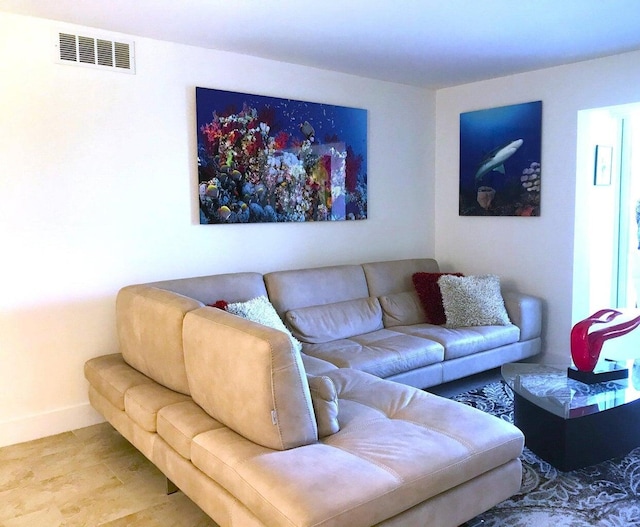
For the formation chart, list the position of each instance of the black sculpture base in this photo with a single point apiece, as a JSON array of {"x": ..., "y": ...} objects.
[{"x": 606, "y": 371}]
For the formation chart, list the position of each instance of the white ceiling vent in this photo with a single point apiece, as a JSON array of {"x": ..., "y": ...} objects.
[{"x": 93, "y": 51}]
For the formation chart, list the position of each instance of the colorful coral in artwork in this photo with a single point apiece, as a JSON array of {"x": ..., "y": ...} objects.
[{"x": 250, "y": 173}]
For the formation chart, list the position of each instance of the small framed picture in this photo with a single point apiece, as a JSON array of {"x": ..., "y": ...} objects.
[{"x": 602, "y": 171}]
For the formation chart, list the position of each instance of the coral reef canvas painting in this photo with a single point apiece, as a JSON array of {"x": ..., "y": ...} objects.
[
  {"x": 500, "y": 161},
  {"x": 267, "y": 159}
]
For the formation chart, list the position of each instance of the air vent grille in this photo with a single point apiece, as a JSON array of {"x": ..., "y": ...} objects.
[
  {"x": 92, "y": 51},
  {"x": 67, "y": 47}
]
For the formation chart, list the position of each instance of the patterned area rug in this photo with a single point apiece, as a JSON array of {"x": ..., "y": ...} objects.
[{"x": 603, "y": 495}]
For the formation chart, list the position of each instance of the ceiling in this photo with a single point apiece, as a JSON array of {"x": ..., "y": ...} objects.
[{"x": 426, "y": 43}]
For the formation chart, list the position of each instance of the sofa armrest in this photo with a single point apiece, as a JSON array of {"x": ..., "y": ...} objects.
[{"x": 525, "y": 311}]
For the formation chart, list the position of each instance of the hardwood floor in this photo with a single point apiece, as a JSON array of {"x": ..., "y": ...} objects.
[{"x": 91, "y": 477}]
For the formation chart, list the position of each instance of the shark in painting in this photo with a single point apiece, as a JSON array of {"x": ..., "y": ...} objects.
[{"x": 495, "y": 159}]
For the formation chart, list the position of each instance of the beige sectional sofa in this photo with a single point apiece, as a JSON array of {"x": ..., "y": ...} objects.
[{"x": 260, "y": 434}]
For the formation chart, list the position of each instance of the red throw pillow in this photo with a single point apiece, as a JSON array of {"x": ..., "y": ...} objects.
[{"x": 428, "y": 290}]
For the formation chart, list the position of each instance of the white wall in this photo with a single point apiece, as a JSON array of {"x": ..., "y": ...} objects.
[
  {"x": 98, "y": 179},
  {"x": 536, "y": 255}
]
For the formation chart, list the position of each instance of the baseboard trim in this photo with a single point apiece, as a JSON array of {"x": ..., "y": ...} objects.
[{"x": 48, "y": 424}]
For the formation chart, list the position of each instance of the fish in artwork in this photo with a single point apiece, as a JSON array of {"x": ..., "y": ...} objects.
[
  {"x": 307, "y": 130},
  {"x": 495, "y": 159},
  {"x": 212, "y": 190},
  {"x": 224, "y": 212}
]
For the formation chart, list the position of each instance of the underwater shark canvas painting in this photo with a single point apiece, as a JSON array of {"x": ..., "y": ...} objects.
[
  {"x": 500, "y": 168},
  {"x": 268, "y": 159}
]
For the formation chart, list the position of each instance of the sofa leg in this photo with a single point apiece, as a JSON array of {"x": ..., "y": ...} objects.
[{"x": 171, "y": 487}]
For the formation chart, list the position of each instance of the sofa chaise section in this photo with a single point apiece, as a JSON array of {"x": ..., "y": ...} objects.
[{"x": 401, "y": 456}]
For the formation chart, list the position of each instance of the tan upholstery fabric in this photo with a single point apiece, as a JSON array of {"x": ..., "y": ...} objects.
[
  {"x": 149, "y": 323},
  {"x": 230, "y": 287},
  {"x": 339, "y": 320},
  {"x": 313, "y": 287},
  {"x": 525, "y": 312},
  {"x": 179, "y": 423},
  {"x": 458, "y": 505},
  {"x": 132, "y": 432},
  {"x": 401, "y": 309},
  {"x": 325, "y": 404},
  {"x": 248, "y": 377},
  {"x": 246, "y": 447},
  {"x": 315, "y": 366},
  {"x": 143, "y": 402},
  {"x": 385, "y": 278},
  {"x": 224, "y": 508},
  {"x": 483, "y": 360},
  {"x": 399, "y": 447},
  {"x": 112, "y": 377},
  {"x": 382, "y": 353},
  {"x": 461, "y": 342}
]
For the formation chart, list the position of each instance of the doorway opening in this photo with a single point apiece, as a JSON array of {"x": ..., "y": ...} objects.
[{"x": 607, "y": 224}]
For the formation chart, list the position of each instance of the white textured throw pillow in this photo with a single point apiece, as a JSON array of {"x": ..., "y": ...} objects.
[
  {"x": 260, "y": 310},
  {"x": 473, "y": 301}
]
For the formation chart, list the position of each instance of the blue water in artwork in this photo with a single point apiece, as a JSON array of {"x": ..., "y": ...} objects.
[
  {"x": 273, "y": 159},
  {"x": 500, "y": 166}
]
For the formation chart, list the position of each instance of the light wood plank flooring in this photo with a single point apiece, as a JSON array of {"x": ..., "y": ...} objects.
[{"x": 91, "y": 477}]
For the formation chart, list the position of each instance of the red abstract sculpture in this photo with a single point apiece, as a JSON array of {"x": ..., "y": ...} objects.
[{"x": 586, "y": 347}]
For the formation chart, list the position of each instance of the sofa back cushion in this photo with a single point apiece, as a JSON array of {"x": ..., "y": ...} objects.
[
  {"x": 316, "y": 286},
  {"x": 402, "y": 309},
  {"x": 248, "y": 377},
  {"x": 338, "y": 320},
  {"x": 149, "y": 320},
  {"x": 394, "y": 276},
  {"x": 230, "y": 287},
  {"x": 391, "y": 282},
  {"x": 149, "y": 324}
]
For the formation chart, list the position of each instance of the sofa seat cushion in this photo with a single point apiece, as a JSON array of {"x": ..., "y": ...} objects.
[
  {"x": 397, "y": 447},
  {"x": 337, "y": 320},
  {"x": 143, "y": 402},
  {"x": 111, "y": 376},
  {"x": 382, "y": 353},
  {"x": 460, "y": 342},
  {"x": 179, "y": 423}
]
